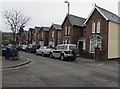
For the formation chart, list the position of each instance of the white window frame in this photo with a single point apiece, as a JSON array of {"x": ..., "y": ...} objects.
[
  {"x": 68, "y": 30},
  {"x": 65, "y": 30},
  {"x": 42, "y": 35},
  {"x": 53, "y": 33},
  {"x": 93, "y": 27},
  {"x": 96, "y": 43},
  {"x": 98, "y": 27},
  {"x": 65, "y": 41}
]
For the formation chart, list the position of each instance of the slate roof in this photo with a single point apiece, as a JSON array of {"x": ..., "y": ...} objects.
[
  {"x": 46, "y": 28},
  {"x": 81, "y": 38},
  {"x": 77, "y": 21},
  {"x": 106, "y": 14},
  {"x": 58, "y": 27},
  {"x": 109, "y": 15},
  {"x": 37, "y": 28}
]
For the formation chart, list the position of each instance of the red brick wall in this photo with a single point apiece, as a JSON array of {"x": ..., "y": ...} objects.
[
  {"x": 96, "y": 16},
  {"x": 55, "y": 36},
  {"x": 75, "y": 33}
]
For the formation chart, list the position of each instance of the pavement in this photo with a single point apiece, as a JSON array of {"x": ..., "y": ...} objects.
[
  {"x": 14, "y": 63},
  {"x": 84, "y": 60}
]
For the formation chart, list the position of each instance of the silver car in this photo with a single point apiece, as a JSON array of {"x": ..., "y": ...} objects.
[
  {"x": 44, "y": 50},
  {"x": 65, "y": 51}
]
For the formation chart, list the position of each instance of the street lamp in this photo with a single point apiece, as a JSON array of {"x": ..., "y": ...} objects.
[
  {"x": 68, "y": 6},
  {"x": 68, "y": 16}
]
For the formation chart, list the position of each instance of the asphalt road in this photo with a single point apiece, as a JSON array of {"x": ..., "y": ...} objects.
[{"x": 47, "y": 72}]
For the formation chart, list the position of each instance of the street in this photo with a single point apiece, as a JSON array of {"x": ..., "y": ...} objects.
[{"x": 47, "y": 72}]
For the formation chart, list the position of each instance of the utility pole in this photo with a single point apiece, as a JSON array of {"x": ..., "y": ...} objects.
[{"x": 68, "y": 3}]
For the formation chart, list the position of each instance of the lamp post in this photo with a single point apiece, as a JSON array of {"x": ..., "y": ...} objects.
[
  {"x": 68, "y": 17},
  {"x": 68, "y": 6}
]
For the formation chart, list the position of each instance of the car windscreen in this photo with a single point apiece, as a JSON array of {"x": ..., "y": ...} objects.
[
  {"x": 48, "y": 48},
  {"x": 72, "y": 47},
  {"x": 34, "y": 46}
]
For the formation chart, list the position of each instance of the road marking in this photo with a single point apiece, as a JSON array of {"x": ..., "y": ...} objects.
[{"x": 26, "y": 65}]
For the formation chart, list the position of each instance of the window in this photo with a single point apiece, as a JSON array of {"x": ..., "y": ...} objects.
[
  {"x": 68, "y": 41},
  {"x": 94, "y": 43},
  {"x": 65, "y": 41},
  {"x": 99, "y": 43},
  {"x": 65, "y": 30},
  {"x": 42, "y": 34},
  {"x": 72, "y": 47},
  {"x": 98, "y": 27},
  {"x": 65, "y": 47},
  {"x": 69, "y": 30},
  {"x": 93, "y": 27},
  {"x": 53, "y": 34}
]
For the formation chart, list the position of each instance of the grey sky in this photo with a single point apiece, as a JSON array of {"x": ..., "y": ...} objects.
[{"x": 46, "y": 12}]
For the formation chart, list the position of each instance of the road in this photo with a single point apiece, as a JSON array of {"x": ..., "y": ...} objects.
[{"x": 47, "y": 72}]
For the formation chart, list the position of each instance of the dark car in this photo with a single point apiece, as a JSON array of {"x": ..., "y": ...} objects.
[
  {"x": 34, "y": 48},
  {"x": 3, "y": 51}
]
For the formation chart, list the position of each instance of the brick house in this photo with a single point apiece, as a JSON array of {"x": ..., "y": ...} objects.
[
  {"x": 44, "y": 36},
  {"x": 24, "y": 37},
  {"x": 30, "y": 35},
  {"x": 102, "y": 31},
  {"x": 35, "y": 35},
  {"x": 73, "y": 29},
  {"x": 55, "y": 35}
]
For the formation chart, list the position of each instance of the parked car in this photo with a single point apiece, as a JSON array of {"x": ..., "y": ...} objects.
[
  {"x": 34, "y": 48},
  {"x": 65, "y": 51},
  {"x": 19, "y": 47},
  {"x": 24, "y": 47},
  {"x": 28, "y": 48},
  {"x": 44, "y": 50}
]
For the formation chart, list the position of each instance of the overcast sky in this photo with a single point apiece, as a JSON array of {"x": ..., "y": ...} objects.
[{"x": 46, "y": 12}]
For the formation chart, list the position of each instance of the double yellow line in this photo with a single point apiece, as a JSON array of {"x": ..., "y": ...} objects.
[{"x": 30, "y": 61}]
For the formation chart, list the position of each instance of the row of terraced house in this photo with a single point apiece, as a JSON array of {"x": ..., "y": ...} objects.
[{"x": 100, "y": 30}]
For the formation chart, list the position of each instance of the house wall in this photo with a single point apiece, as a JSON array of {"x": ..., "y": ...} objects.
[
  {"x": 113, "y": 40},
  {"x": 40, "y": 35},
  {"x": 46, "y": 38},
  {"x": 50, "y": 33},
  {"x": 59, "y": 39},
  {"x": 65, "y": 24},
  {"x": 96, "y": 16},
  {"x": 75, "y": 32}
]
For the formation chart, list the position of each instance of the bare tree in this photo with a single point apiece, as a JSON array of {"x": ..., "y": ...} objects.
[{"x": 15, "y": 20}]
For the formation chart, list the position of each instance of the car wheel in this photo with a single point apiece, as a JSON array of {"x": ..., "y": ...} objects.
[
  {"x": 51, "y": 55},
  {"x": 62, "y": 57},
  {"x": 43, "y": 54},
  {"x": 73, "y": 59}
]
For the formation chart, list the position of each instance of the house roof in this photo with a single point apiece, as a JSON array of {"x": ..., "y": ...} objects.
[
  {"x": 106, "y": 14},
  {"x": 75, "y": 20},
  {"x": 58, "y": 27},
  {"x": 37, "y": 28},
  {"x": 46, "y": 28},
  {"x": 81, "y": 38}
]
